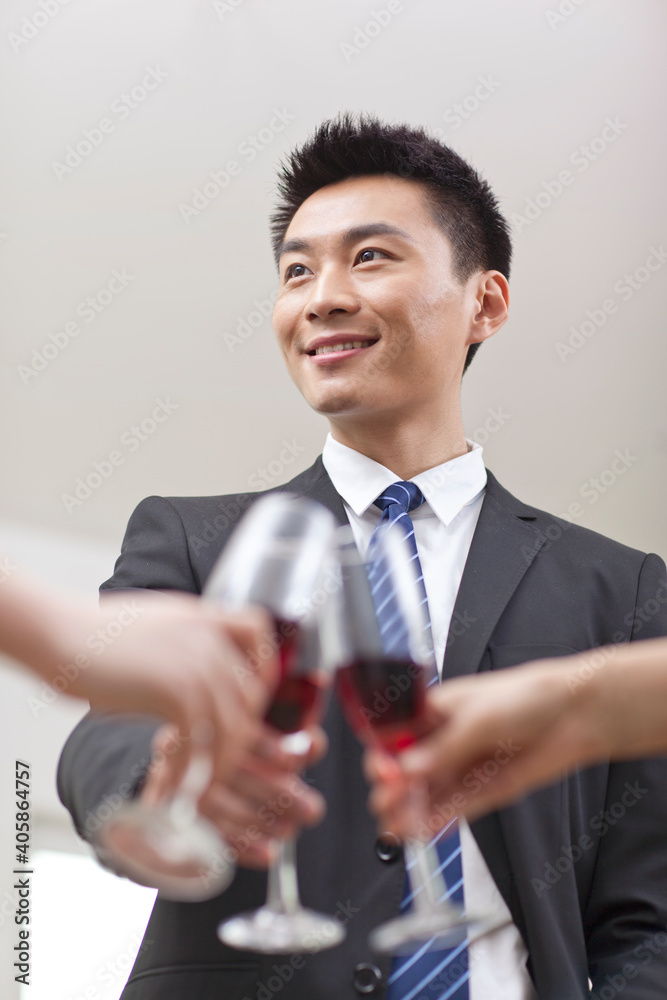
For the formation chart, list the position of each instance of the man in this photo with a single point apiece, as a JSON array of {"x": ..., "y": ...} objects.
[{"x": 393, "y": 261}]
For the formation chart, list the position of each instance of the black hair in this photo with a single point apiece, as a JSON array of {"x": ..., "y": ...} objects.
[{"x": 461, "y": 202}]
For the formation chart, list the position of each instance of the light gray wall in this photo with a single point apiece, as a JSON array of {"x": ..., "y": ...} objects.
[
  {"x": 546, "y": 84},
  {"x": 554, "y": 84}
]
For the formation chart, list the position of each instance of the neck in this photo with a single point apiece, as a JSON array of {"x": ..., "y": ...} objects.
[{"x": 407, "y": 448}]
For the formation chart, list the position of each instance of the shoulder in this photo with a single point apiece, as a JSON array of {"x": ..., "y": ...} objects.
[
  {"x": 224, "y": 510},
  {"x": 553, "y": 531},
  {"x": 192, "y": 530}
]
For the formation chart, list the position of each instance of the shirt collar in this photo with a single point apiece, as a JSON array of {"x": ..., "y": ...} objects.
[{"x": 448, "y": 488}]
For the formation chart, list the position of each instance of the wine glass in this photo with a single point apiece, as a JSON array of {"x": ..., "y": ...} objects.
[
  {"x": 384, "y": 698},
  {"x": 170, "y": 846},
  {"x": 278, "y": 557}
]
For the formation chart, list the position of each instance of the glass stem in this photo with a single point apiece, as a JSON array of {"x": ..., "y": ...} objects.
[
  {"x": 283, "y": 888},
  {"x": 183, "y": 806},
  {"x": 426, "y": 880}
]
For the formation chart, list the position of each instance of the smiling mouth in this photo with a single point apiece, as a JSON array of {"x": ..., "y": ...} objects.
[{"x": 348, "y": 345}]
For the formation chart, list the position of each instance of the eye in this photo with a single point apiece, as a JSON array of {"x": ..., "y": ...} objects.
[
  {"x": 295, "y": 271},
  {"x": 364, "y": 259}
]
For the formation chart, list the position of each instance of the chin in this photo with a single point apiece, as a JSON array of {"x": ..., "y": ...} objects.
[
  {"x": 347, "y": 397},
  {"x": 335, "y": 406},
  {"x": 352, "y": 407}
]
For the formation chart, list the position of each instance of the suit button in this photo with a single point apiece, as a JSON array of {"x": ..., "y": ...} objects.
[
  {"x": 367, "y": 978},
  {"x": 388, "y": 848}
]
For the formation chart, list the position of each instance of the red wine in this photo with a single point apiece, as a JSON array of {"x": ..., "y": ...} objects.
[
  {"x": 297, "y": 701},
  {"x": 384, "y": 700}
]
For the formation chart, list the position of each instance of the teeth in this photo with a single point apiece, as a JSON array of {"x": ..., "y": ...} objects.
[{"x": 350, "y": 345}]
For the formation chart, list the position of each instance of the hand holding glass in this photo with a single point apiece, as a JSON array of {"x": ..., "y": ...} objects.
[
  {"x": 384, "y": 697},
  {"x": 276, "y": 558},
  {"x": 171, "y": 846}
]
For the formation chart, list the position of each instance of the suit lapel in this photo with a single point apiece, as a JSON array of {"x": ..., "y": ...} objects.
[
  {"x": 503, "y": 547},
  {"x": 316, "y": 484}
]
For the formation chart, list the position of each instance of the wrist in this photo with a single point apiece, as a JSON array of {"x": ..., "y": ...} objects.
[
  {"x": 34, "y": 626},
  {"x": 60, "y": 640}
]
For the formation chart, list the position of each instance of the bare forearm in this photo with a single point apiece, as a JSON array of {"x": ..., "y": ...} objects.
[
  {"x": 37, "y": 626},
  {"x": 629, "y": 693}
]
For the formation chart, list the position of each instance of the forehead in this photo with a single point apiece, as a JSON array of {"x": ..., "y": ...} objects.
[{"x": 385, "y": 198}]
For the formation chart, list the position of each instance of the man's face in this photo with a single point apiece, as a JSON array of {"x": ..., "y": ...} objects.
[{"x": 369, "y": 316}]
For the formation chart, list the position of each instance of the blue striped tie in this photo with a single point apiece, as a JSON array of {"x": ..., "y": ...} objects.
[{"x": 427, "y": 973}]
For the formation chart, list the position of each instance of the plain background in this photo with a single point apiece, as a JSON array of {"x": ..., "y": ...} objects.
[{"x": 522, "y": 89}]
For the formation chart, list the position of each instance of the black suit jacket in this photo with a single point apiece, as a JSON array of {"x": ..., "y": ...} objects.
[{"x": 582, "y": 864}]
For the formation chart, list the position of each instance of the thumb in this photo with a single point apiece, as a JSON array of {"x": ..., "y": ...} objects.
[{"x": 253, "y": 632}]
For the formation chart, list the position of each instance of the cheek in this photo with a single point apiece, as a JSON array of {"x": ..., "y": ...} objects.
[{"x": 282, "y": 324}]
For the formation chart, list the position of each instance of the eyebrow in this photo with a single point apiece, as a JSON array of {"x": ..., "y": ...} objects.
[{"x": 352, "y": 235}]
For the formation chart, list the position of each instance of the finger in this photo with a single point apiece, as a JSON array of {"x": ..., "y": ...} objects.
[
  {"x": 227, "y": 808},
  {"x": 235, "y": 732},
  {"x": 170, "y": 752},
  {"x": 259, "y": 854},
  {"x": 319, "y": 745},
  {"x": 380, "y": 766},
  {"x": 281, "y": 792},
  {"x": 385, "y": 797},
  {"x": 253, "y": 632},
  {"x": 281, "y": 752},
  {"x": 237, "y": 817}
]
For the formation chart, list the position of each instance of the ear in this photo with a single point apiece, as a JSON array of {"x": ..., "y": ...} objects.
[{"x": 491, "y": 295}]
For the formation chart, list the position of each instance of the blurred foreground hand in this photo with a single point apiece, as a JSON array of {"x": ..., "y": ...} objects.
[{"x": 496, "y": 736}]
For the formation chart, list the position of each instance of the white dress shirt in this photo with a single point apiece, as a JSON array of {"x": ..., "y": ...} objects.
[{"x": 444, "y": 526}]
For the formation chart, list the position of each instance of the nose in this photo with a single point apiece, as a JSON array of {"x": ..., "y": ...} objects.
[{"x": 330, "y": 293}]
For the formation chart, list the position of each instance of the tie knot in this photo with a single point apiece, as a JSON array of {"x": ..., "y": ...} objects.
[{"x": 406, "y": 495}]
